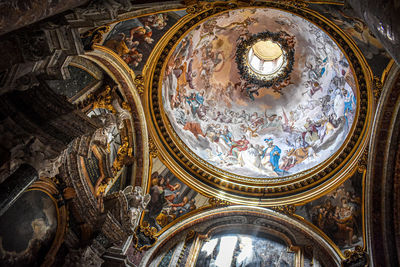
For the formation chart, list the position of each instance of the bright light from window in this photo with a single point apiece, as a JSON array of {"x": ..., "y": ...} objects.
[
  {"x": 247, "y": 249},
  {"x": 210, "y": 245},
  {"x": 265, "y": 57},
  {"x": 226, "y": 249}
]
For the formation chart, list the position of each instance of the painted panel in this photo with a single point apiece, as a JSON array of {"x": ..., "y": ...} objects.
[
  {"x": 170, "y": 197},
  {"x": 134, "y": 39},
  {"x": 27, "y": 230},
  {"x": 372, "y": 49},
  {"x": 339, "y": 213}
]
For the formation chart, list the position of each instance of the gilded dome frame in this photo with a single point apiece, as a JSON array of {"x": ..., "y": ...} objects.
[{"x": 209, "y": 180}]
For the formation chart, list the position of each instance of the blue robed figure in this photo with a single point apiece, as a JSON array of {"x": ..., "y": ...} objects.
[
  {"x": 195, "y": 101},
  {"x": 348, "y": 107},
  {"x": 274, "y": 156}
]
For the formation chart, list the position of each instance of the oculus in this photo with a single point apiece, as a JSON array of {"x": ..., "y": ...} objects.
[
  {"x": 265, "y": 60},
  {"x": 265, "y": 57}
]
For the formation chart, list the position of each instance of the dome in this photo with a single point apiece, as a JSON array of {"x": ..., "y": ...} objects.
[
  {"x": 259, "y": 93},
  {"x": 257, "y": 104}
]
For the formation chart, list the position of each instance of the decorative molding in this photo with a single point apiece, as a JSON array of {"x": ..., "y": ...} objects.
[
  {"x": 363, "y": 161},
  {"x": 216, "y": 202},
  {"x": 85, "y": 203},
  {"x": 153, "y": 150},
  {"x": 286, "y": 209},
  {"x": 189, "y": 238},
  {"x": 104, "y": 99},
  {"x": 294, "y": 3},
  {"x": 377, "y": 87},
  {"x": 95, "y": 36},
  {"x": 139, "y": 83},
  {"x": 295, "y": 234},
  {"x": 195, "y": 7},
  {"x": 37, "y": 52},
  {"x": 380, "y": 218}
]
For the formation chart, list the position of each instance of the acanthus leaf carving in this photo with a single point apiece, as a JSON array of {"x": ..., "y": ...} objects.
[
  {"x": 104, "y": 100},
  {"x": 144, "y": 237}
]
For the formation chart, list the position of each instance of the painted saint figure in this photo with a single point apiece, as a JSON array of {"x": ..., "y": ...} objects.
[
  {"x": 239, "y": 145},
  {"x": 272, "y": 153},
  {"x": 195, "y": 101}
]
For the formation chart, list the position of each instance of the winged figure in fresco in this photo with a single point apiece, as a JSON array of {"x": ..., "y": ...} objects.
[
  {"x": 141, "y": 33},
  {"x": 251, "y": 90},
  {"x": 316, "y": 71},
  {"x": 357, "y": 29},
  {"x": 277, "y": 87},
  {"x": 238, "y": 26},
  {"x": 158, "y": 21}
]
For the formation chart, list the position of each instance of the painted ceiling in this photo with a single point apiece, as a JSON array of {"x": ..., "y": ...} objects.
[{"x": 254, "y": 131}]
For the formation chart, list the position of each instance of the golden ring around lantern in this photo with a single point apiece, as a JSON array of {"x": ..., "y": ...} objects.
[{"x": 212, "y": 181}]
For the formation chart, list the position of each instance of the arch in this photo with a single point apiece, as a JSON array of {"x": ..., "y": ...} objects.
[
  {"x": 124, "y": 77},
  {"x": 292, "y": 231},
  {"x": 383, "y": 176}
]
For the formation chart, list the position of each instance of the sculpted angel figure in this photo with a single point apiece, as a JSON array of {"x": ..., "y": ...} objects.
[{"x": 137, "y": 201}]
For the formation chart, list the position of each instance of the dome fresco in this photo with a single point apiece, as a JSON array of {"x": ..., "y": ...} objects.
[{"x": 247, "y": 130}]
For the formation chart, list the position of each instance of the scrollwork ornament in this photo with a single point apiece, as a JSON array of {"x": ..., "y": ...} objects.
[
  {"x": 144, "y": 236},
  {"x": 287, "y": 209},
  {"x": 356, "y": 257},
  {"x": 124, "y": 155},
  {"x": 95, "y": 35},
  {"x": 190, "y": 235},
  {"x": 148, "y": 230},
  {"x": 104, "y": 100},
  {"x": 195, "y": 7}
]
